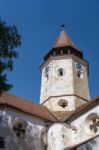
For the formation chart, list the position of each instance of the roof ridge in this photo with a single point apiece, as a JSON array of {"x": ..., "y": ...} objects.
[{"x": 27, "y": 107}]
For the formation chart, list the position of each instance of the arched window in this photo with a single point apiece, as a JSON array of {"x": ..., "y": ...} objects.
[
  {"x": 46, "y": 72},
  {"x": 2, "y": 144},
  {"x": 79, "y": 74},
  {"x": 61, "y": 72}
]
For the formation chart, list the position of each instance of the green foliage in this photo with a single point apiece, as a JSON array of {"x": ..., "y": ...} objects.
[{"x": 9, "y": 41}]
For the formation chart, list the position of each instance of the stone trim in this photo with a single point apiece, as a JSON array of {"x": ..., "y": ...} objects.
[{"x": 66, "y": 95}]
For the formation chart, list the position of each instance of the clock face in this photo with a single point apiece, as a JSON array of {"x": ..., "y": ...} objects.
[{"x": 79, "y": 67}]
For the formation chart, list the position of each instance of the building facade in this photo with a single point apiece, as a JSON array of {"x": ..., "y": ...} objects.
[{"x": 66, "y": 118}]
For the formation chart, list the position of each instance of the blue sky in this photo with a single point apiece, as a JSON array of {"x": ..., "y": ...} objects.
[{"x": 38, "y": 22}]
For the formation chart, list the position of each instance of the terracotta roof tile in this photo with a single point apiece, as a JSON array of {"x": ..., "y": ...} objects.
[
  {"x": 63, "y": 40},
  {"x": 26, "y": 106}
]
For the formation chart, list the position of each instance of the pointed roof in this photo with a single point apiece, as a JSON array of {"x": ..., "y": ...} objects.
[
  {"x": 63, "y": 40},
  {"x": 63, "y": 45}
]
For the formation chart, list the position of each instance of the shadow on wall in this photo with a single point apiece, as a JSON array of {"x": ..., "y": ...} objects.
[
  {"x": 43, "y": 139},
  {"x": 16, "y": 134},
  {"x": 91, "y": 145}
]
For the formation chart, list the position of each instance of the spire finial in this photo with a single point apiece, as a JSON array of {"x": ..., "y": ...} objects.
[{"x": 62, "y": 26}]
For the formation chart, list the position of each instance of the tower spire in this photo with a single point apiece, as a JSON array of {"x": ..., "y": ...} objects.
[
  {"x": 64, "y": 85},
  {"x": 63, "y": 39},
  {"x": 63, "y": 45}
]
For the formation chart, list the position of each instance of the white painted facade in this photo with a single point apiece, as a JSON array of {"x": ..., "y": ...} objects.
[
  {"x": 82, "y": 125},
  {"x": 42, "y": 135},
  {"x": 61, "y": 136},
  {"x": 35, "y": 130}
]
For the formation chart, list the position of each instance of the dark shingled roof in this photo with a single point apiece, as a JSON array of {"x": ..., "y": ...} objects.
[{"x": 26, "y": 106}]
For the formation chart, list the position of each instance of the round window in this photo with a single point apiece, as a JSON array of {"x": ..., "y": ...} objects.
[
  {"x": 19, "y": 128},
  {"x": 94, "y": 125},
  {"x": 79, "y": 67},
  {"x": 63, "y": 103}
]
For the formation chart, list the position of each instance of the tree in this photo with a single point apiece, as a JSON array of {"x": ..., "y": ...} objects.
[{"x": 9, "y": 41}]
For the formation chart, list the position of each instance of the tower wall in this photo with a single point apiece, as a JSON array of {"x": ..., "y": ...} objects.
[
  {"x": 56, "y": 85},
  {"x": 68, "y": 87}
]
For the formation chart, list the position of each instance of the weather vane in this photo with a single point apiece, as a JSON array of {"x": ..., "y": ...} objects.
[{"x": 62, "y": 26}]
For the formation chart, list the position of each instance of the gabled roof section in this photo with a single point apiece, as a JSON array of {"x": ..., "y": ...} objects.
[
  {"x": 83, "y": 109},
  {"x": 26, "y": 106},
  {"x": 63, "y": 40}
]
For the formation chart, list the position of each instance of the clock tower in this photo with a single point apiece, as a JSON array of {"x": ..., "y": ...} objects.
[{"x": 64, "y": 81}]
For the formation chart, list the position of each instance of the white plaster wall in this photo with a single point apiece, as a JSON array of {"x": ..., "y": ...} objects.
[
  {"x": 57, "y": 85},
  {"x": 32, "y": 141},
  {"x": 59, "y": 137},
  {"x": 81, "y": 125},
  {"x": 62, "y": 85}
]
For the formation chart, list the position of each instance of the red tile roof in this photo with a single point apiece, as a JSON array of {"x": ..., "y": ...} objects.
[
  {"x": 26, "y": 106},
  {"x": 63, "y": 40}
]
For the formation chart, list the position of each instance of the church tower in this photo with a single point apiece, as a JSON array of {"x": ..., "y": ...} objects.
[{"x": 64, "y": 81}]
